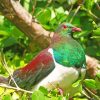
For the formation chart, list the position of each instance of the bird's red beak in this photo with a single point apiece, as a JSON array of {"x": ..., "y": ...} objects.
[{"x": 76, "y": 29}]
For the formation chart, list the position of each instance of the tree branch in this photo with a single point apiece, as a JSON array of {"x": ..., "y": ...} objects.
[
  {"x": 14, "y": 12},
  {"x": 14, "y": 88},
  {"x": 92, "y": 66}
]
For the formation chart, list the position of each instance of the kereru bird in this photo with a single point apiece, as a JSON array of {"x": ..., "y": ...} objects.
[
  {"x": 69, "y": 59},
  {"x": 60, "y": 65}
]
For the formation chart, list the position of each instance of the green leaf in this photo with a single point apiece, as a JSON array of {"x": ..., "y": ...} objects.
[
  {"x": 96, "y": 32},
  {"x": 44, "y": 16},
  {"x": 70, "y": 2},
  {"x": 46, "y": 27},
  {"x": 44, "y": 90},
  {"x": 24, "y": 97},
  {"x": 26, "y": 4},
  {"x": 7, "y": 97},
  {"x": 1, "y": 19},
  {"x": 98, "y": 74},
  {"x": 97, "y": 79},
  {"x": 38, "y": 95},
  {"x": 89, "y": 4},
  {"x": 60, "y": 10},
  {"x": 54, "y": 92},
  {"x": 9, "y": 41},
  {"x": 86, "y": 23},
  {"x": 2, "y": 90},
  {"x": 97, "y": 83},
  {"x": 77, "y": 83},
  {"x": 90, "y": 83},
  {"x": 4, "y": 33}
]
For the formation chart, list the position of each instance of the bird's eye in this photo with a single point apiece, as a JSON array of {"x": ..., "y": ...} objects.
[{"x": 64, "y": 26}]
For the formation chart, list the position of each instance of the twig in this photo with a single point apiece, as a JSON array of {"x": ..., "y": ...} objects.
[
  {"x": 14, "y": 88},
  {"x": 71, "y": 8},
  {"x": 93, "y": 15},
  {"x": 91, "y": 93},
  {"x": 98, "y": 5},
  {"x": 48, "y": 3},
  {"x": 75, "y": 14},
  {"x": 34, "y": 5},
  {"x": 6, "y": 67},
  {"x": 87, "y": 96}
]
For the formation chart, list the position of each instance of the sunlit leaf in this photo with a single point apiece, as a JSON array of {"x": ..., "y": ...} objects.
[
  {"x": 90, "y": 83},
  {"x": 89, "y": 4},
  {"x": 77, "y": 83},
  {"x": 37, "y": 95},
  {"x": 7, "y": 97},
  {"x": 60, "y": 10},
  {"x": 96, "y": 32},
  {"x": 2, "y": 90},
  {"x": 70, "y": 2},
  {"x": 44, "y": 16},
  {"x": 44, "y": 90}
]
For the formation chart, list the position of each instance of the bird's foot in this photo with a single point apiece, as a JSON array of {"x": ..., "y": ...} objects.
[
  {"x": 70, "y": 98},
  {"x": 61, "y": 91}
]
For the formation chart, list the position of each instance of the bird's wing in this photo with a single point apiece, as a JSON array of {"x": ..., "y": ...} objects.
[{"x": 36, "y": 70}]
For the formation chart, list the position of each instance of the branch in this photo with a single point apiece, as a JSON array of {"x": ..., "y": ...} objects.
[
  {"x": 92, "y": 66},
  {"x": 87, "y": 96},
  {"x": 75, "y": 13},
  {"x": 93, "y": 15},
  {"x": 91, "y": 93},
  {"x": 98, "y": 5},
  {"x": 14, "y": 88},
  {"x": 14, "y": 12}
]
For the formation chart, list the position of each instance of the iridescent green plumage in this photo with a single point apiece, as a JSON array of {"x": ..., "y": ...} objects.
[{"x": 67, "y": 51}]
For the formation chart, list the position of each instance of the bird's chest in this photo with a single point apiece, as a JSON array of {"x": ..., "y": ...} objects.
[{"x": 61, "y": 76}]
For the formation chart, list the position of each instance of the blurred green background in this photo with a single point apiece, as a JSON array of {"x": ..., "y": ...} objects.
[{"x": 15, "y": 45}]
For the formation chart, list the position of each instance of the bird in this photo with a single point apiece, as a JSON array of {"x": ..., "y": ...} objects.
[
  {"x": 58, "y": 66},
  {"x": 69, "y": 59}
]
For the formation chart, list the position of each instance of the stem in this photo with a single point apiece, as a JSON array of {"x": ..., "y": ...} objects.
[
  {"x": 7, "y": 69},
  {"x": 91, "y": 93},
  {"x": 93, "y": 15},
  {"x": 98, "y": 5},
  {"x": 71, "y": 8},
  {"x": 14, "y": 88},
  {"x": 34, "y": 6},
  {"x": 75, "y": 14},
  {"x": 48, "y": 3},
  {"x": 86, "y": 95}
]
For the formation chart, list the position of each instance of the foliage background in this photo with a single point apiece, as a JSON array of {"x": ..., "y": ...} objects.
[{"x": 16, "y": 47}]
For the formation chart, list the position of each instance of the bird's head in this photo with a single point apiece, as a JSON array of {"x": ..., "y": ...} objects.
[{"x": 67, "y": 29}]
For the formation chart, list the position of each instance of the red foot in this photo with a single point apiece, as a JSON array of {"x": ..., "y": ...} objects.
[
  {"x": 70, "y": 98},
  {"x": 61, "y": 91}
]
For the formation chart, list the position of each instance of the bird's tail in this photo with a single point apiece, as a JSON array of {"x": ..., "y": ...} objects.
[{"x": 3, "y": 80}]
